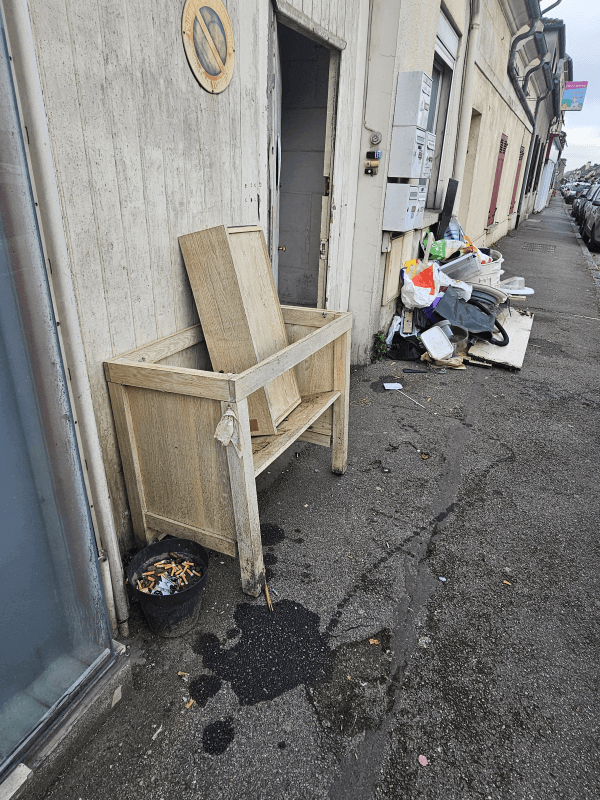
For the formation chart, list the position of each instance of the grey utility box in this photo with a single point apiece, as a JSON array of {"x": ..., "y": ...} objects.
[{"x": 413, "y": 97}]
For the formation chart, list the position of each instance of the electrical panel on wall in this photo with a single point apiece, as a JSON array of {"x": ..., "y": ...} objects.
[
  {"x": 429, "y": 155},
  {"x": 401, "y": 211},
  {"x": 411, "y": 154},
  {"x": 421, "y": 200},
  {"x": 407, "y": 152},
  {"x": 413, "y": 98}
]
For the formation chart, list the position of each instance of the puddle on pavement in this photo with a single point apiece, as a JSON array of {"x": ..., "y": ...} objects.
[
  {"x": 271, "y": 534},
  {"x": 276, "y": 651},
  {"x": 203, "y": 688},
  {"x": 217, "y": 736}
]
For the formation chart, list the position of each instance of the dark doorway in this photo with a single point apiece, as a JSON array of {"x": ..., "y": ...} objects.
[{"x": 303, "y": 185}]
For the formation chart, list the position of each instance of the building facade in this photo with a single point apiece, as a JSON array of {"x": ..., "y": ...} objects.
[{"x": 130, "y": 136}]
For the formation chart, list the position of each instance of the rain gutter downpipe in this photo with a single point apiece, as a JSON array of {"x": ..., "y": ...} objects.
[
  {"x": 544, "y": 56},
  {"x": 536, "y": 26},
  {"x": 546, "y": 10},
  {"x": 34, "y": 111},
  {"x": 464, "y": 123}
]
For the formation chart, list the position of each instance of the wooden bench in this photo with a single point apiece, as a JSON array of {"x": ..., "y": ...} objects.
[{"x": 180, "y": 479}]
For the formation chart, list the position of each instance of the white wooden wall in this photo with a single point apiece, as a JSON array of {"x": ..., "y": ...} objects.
[{"x": 143, "y": 154}]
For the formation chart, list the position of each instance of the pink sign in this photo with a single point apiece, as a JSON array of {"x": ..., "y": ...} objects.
[{"x": 573, "y": 95}]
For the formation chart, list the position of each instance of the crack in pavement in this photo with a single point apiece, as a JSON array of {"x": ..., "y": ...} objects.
[{"x": 359, "y": 770}]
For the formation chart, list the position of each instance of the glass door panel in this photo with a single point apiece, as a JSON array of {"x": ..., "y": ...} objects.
[{"x": 53, "y": 627}]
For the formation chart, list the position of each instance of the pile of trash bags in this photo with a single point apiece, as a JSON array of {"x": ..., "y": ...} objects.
[{"x": 450, "y": 298}]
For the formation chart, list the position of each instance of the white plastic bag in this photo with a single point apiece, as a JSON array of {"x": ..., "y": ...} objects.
[
  {"x": 420, "y": 284},
  {"x": 464, "y": 289},
  {"x": 395, "y": 326}
]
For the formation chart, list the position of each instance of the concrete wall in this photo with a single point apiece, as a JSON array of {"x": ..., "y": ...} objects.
[
  {"x": 495, "y": 109},
  {"x": 403, "y": 38}
]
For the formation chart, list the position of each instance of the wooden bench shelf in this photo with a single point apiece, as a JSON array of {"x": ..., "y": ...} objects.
[
  {"x": 265, "y": 449},
  {"x": 167, "y": 403}
]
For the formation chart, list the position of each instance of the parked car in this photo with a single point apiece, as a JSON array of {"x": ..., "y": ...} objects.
[
  {"x": 590, "y": 228},
  {"x": 574, "y": 192},
  {"x": 579, "y": 202}
]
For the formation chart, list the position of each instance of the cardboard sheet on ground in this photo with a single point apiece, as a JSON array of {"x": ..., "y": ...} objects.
[{"x": 518, "y": 327}]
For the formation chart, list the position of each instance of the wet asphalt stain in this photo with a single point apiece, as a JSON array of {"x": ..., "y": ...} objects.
[
  {"x": 546, "y": 348},
  {"x": 217, "y": 736},
  {"x": 360, "y": 768},
  {"x": 357, "y": 694},
  {"x": 368, "y": 580},
  {"x": 276, "y": 652},
  {"x": 203, "y": 688},
  {"x": 442, "y": 515},
  {"x": 270, "y": 559},
  {"x": 271, "y": 534},
  {"x": 232, "y": 633}
]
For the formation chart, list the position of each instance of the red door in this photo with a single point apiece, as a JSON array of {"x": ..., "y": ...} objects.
[
  {"x": 499, "y": 168},
  {"x": 520, "y": 164}
]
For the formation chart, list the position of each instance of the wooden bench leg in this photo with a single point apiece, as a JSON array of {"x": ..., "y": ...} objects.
[
  {"x": 245, "y": 505},
  {"x": 341, "y": 378},
  {"x": 129, "y": 459}
]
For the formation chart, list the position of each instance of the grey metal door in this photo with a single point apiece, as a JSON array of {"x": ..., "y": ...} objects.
[{"x": 308, "y": 98}]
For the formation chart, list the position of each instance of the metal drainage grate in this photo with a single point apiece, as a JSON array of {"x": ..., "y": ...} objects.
[{"x": 539, "y": 248}]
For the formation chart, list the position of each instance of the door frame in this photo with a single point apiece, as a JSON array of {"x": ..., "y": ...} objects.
[{"x": 284, "y": 13}]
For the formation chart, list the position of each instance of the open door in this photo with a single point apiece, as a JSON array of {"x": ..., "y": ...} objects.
[{"x": 305, "y": 91}]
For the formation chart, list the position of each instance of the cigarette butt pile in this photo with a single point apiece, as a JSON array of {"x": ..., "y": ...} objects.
[{"x": 169, "y": 576}]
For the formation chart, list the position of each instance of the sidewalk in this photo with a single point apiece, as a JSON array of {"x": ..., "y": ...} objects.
[{"x": 369, "y": 660}]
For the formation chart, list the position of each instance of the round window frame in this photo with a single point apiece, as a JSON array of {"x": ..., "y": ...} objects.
[{"x": 211, "y": 83}]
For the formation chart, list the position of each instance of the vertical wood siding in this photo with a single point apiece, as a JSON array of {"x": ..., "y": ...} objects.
[{"x": 143, "y": 154}]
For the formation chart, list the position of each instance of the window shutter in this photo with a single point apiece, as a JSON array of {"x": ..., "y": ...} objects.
[
  {"x": 536, "y": 145},
  {"x": 519, "y": 165},
  {"x": 499, "y": 168}
]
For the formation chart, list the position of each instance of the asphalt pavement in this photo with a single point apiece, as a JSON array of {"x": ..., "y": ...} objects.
[{"x": 435, "y": 623}]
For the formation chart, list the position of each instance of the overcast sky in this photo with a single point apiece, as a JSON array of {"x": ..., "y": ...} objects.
[{"x": 582, "y": 22}]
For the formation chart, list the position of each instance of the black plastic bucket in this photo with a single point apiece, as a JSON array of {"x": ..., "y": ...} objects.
[{"x": 170, "y": 615}]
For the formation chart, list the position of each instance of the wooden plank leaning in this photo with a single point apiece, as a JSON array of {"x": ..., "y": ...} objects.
[{"x": 252, "y": 379}]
